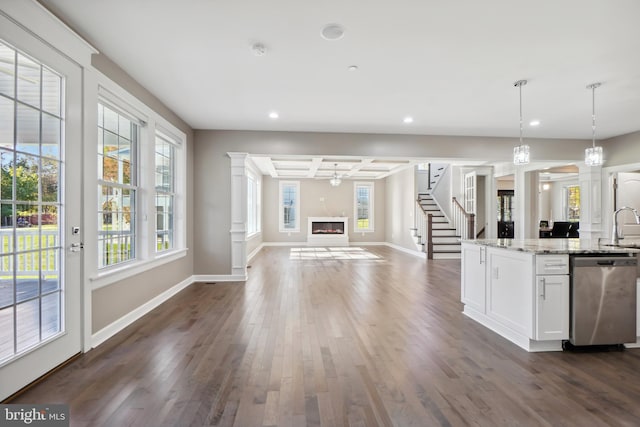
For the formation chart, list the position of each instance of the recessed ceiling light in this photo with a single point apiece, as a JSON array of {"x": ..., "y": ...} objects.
[
  {"x": 274, "y": 115},
  {"x": 534, "y": 123},
  {"x": 352, "y": 68},
  {"x": 332, "y": 32},
  {"x": 408, "y": 119}
]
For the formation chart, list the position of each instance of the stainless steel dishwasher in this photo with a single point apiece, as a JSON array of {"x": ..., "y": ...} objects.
[{"x": 603, "y": 300}]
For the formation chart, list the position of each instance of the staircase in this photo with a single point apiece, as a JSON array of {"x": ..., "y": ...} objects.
[{"x": 445, "y": 241}]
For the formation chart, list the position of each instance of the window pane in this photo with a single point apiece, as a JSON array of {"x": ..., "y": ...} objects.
[
  {"x": 50, "y": 176},
  {"x": 6, "y": 275},
  {"x": 6, "y": 122},
  {"x": 50, "y": 315},
  {"x": 51, "y": 88},
  {"x": 6, "y": 181},
  {"x": 289, "y": 205},
  {"x": 7, "y": 70},
  {"x": 6, "y": 332},
  {"x": 51, "y": 136},
  {"x": 28, "y": 81},
  {"x": 28, "y": 324},
  {"x": 363, "y": 194},
  {"x": 26, "y": 177},
  {"x": 28, "y": 130}
]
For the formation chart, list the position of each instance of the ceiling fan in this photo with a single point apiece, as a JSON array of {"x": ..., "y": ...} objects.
[{"x": 335, "y": 179}]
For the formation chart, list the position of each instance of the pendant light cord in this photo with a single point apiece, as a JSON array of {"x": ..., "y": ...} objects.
[
  {"x": 519, "y": 84},
  {"x": 593, "y": 115}
]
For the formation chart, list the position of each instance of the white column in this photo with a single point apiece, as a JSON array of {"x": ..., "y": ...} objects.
[
  {"x": 519, "y": 204},
  {"x": 590, "y": 178},
  {"x": 238, "y": 215}
]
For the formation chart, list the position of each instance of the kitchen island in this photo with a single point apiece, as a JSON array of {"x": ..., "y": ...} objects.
[{"x": 520, "y": 288}]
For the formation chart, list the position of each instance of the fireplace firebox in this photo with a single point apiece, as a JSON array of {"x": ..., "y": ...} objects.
[{"x": 328, "y": 231}]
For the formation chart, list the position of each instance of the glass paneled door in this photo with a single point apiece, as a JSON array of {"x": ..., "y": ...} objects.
[{"x": 40, "y": 129}]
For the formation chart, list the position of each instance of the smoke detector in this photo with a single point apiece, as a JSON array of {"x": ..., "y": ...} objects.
[
  {"x": 259, "y": 49},
  {"x": 332, "y": 32}
]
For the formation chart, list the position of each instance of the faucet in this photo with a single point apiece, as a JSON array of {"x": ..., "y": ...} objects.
[{"x": 616, "y": 234}]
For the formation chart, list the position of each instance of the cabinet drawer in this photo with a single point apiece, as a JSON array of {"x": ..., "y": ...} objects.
[{"x": 552, "y": 264}]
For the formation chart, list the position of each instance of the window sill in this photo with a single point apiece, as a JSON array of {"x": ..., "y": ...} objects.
[{"x": 119, "y": 273}]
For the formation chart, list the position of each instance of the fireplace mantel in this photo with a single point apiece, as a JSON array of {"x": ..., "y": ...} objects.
[{"x": 328, "y": 231}]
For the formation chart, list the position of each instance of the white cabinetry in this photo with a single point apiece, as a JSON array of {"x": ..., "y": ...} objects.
[
  {"x": 552, "y": 297},
  {"x": 473, "y": 292},
  {"x": 520, "y": 295}
]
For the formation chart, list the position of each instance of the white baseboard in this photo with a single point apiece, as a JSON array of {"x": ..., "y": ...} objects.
[
  {"x": 300, "y": 244},
  {"x": 219, "y": 278},
  {"x": 409, "y": 251},
  {"x": 110, "y": 330},
  {"x": 255, "y": 252}
]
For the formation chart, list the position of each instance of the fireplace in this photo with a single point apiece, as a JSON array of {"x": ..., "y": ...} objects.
[
  {"x": 327, "y": 227},
  {"x": 327, "y": 231}
]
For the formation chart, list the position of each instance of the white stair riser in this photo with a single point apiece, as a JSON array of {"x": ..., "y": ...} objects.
[
  {"x": 446, "y": 247},
  {"x": 446, "y": 256},
  {"x": 445, "y": 232},
  {"x": 444, "y": 239}
]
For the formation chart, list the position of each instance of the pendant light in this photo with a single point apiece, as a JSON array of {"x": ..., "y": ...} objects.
[
  {"x": 521, "y": 152},
  {"x": 593, "y": 156},
  {"x": 335, "y": 179}
]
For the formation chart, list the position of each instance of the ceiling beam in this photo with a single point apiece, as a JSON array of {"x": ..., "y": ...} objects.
[
  {"x": 315, "y": 164},
  {"x": 270, "y": 167},
  {"x": 355, "y": 168}
]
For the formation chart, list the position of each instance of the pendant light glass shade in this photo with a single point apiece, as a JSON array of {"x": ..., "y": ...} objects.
[
  {"x": 521, "y": 152},
  {"x": 593, "y": 156}
]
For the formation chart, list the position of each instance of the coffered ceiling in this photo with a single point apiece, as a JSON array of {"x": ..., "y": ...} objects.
[
  {"x": 297, "y": 167},
  {"x": 449, "y": 65}
]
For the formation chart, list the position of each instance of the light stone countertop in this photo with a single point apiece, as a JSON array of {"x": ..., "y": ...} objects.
[{"x": 560, "y": 246}]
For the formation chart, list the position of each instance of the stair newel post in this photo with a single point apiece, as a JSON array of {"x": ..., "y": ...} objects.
[
  {"x": 471, "y": 227},
  {"x": 430, "y": 236}
]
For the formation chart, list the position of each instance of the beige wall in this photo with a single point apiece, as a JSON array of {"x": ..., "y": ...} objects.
[
  {"x": 622, "y": 150},
  {"x": 400, "y": 203},
  {"x": 212, "y": 169},
  {"x": 338, "y": 201},
  {"x": 111, "y": 302}
]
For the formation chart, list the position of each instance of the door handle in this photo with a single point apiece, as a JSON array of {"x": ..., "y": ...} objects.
[
  {"x": 76, "y": 247},
  {"x": 544, "y": 288}
]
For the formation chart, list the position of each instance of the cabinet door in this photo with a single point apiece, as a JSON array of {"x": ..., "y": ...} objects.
[
  {"x": 473, "y": 276},
  {"x": 552, "y": 308},
  {"x": 510, "y": 278}
]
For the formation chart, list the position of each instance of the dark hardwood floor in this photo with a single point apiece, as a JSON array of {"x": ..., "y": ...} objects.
[{"x": 322, "y": 338}]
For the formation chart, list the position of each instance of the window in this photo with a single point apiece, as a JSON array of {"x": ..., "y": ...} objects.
[
  {"x": 363, "y": 195},
  {"x": 117, "y": 178},
  {"x": 165, "y": 192},
  {"x": 253, "y": 204},
  {"x": 573, "y": 203},
  {"x": 289, "y": 206}
]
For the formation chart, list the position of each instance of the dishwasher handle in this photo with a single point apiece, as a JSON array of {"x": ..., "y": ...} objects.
[{"x": 612, "y": 261}]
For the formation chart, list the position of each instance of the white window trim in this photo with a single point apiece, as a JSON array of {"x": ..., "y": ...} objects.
[
  {"x": 281, "y": 228},
  {"x": 371, "y": 227},
  {"x": 151, "y": 123}
]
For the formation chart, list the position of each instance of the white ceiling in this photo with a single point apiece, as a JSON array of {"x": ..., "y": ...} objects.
[{"x": 448, "y": 64}]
